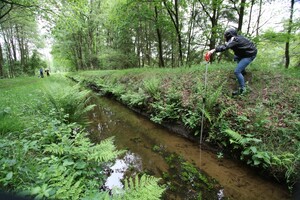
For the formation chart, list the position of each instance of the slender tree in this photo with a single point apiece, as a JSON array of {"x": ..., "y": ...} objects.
[
  {"x": 241, "y": 15},
  {"x": 1, "y": 61},
  {"x": 289, "y": 31},
  {"x": 250, "y": 16},
  {"x": 213, "y": 12},
  {"x": 190, "y": 35},
  {"x": 159, "y": 38},
  {"x": 173, "y": 10},
  {"x": 258, "y": 18}
]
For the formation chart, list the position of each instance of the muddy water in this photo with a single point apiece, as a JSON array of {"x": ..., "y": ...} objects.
[{"x": 139, "y": 135}]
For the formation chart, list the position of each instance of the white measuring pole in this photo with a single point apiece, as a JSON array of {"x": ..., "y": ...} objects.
[{"x": 204, "y": 101}]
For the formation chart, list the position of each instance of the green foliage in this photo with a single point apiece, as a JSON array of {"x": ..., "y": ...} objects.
[
  {"x": 117, "y": 90},
  {"x": 35, "y": 63},
  {"x": 51, "y": 158},
  {"x": 267, "y": 118},
  {"x": 70, "y": 103},
  {"x": 248, "y": 145},
  {"x": 213, "y": 96},
  {"x": 274, "y": 57},
  {"x": 275, "y": 37},
  {"x": 144, "y": 187},
  {"x": 75, "y": 163},
  {"x": 19, "y": 24},
  {"x": 7, "y": 119},
  {"x": 239, "y": 140},
  {"x": 114, "y": 59},
  {"x": 164, "y": 111},
  {"x": 134, "y": 99},
  {"x": 191, "y": 119},
  {"x": 152, "y": 87}
]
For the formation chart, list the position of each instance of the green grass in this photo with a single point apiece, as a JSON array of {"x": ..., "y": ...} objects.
[{"x": 17, "y": 95}]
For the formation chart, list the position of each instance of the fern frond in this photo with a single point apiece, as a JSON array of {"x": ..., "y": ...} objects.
[
  {"x": 223, "y": 112},
  {"x": 212, "y": 98},
  {"x": 70, "y": 100},
  {"x": 207, "y": 115},
  {"x": 146, "y": 187},
  {"x": 104, "y": 151},
  {"x": 235, "y": 136},
  {"x": 55, "y": 149},
  {"x": 69, "y": 188}
]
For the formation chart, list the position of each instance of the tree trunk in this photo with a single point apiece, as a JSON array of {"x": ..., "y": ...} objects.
[
  {"x": 21, "y": 49},
  {"x": 10, "y": 61},
  {"x": 138, "y": 45},
  {"x": 190, "y": 30},
  {"x": 287, "y": 44},
  {"x": 1, "y": 62},
  {"x": 13, "y": 48},
  {"x": 77, "y": 48},
  {"x": 215, "y": 10},
  {"x": 258, "y": 18},
  {"x": 174, "y": 15},
  {"x": 241, "y": 15},
  {"x": 250, "y": 16},
  {"x": 148, "y": 45},
  {"x": 159, "y": 38}
]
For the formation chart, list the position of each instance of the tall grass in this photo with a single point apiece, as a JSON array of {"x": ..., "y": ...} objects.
[{"x": 17, "y": 97}]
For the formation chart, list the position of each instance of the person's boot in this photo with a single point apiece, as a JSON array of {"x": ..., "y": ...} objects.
[{"x": 240, "y": 91}]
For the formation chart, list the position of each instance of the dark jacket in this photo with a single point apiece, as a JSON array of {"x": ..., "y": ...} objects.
[{"x": 241, "y": 46}]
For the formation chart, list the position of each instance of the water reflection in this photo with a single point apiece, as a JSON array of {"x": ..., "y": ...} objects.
[{"x": 119, "y": 169}]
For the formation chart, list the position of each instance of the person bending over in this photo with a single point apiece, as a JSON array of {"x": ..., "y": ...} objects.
[{"x": 244, "y": 53}]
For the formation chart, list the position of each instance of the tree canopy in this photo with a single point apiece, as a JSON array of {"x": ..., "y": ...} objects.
[{"x": 104, "y": 34}]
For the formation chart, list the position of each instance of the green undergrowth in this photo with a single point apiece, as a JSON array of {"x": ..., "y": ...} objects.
[
  {"x": 46, "y": 152},
  {"x": 261, "y": 128}
]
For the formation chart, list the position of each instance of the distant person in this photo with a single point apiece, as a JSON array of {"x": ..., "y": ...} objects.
[
  {"x": 41, "y": 73},
  {"x": 47, "y": 72},
  {"x": 244, "y": 53}
]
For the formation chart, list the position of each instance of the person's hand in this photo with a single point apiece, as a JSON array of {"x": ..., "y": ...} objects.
[{"x": 208, "y": 55}]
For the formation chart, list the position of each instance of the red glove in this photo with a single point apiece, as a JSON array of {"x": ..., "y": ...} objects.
[{"x": 207, "y": 56}]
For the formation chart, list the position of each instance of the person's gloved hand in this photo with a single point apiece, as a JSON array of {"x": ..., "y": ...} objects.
[{"x": 208, "y": 55}]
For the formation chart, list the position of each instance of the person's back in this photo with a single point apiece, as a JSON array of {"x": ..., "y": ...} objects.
[
  {"x": 241, "y": 46},
  {"x": 244, "y": 47},
  {"x": 244, "y": 53}
]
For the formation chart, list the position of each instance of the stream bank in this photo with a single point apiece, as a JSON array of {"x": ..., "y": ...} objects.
[
  {"x": 147, "y": 143},
  {"x": 243, "y": 128}
]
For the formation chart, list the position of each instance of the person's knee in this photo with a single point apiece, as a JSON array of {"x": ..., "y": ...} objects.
[{"x": 237, "y": 72}]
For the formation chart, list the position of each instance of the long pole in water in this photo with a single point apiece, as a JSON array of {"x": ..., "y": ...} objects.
[
  {"x": 204, "y": 101},
  {"x": 203, "y": 108}
]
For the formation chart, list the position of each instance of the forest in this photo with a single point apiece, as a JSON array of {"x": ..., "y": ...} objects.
[
  {"x": 149, "y": 56},
  {"x": 103, "y": 34}
]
